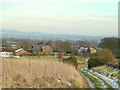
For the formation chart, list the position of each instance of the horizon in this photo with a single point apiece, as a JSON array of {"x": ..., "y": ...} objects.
[
  {"x": 62, "y": 17},
  {"x": 59, "y": 33}
]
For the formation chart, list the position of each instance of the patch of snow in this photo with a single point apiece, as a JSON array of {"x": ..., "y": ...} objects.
[
  {"x": 16, "y": 56},
  {"x": 99, "y": 80},
  {"x": 64, "y": 82},
  {"x": 67, "y": 83},
  {"x": 58, "y": 80},
  {"x": 91, "y": 84},
  {"x": 107, "y": 79}
]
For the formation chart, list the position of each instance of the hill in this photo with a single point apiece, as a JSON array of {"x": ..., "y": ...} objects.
[{"x": 46, "y": 36}]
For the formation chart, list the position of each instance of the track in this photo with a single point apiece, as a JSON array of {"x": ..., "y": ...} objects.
[
  {"x": 90, "y": 83},
  {"x": 105, "y": 82}
]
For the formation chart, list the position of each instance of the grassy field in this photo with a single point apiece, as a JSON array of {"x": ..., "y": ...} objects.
[
  {"x": 40, "y": 73},
  {"x": 51, "y": 57},
  {"x": 41, "y": 57},
  {"x": 81, "y": 59}
]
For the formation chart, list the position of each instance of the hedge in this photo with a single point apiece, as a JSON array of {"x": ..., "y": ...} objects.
[
  {"x": 71, "y": 60},
  {"x": 94, "y": 61}
]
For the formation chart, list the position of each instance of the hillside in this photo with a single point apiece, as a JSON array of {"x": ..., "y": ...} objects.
[{"x": 24, "y": 73}]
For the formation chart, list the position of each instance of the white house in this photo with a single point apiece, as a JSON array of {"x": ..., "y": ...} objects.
[
  {"x": 81, "y": 49},
  {"x": 6, "y": 54}
]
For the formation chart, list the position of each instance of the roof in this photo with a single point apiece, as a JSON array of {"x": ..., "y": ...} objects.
[
  {"x": 19, "y": 50},
  {"x": 36, "y": 47},
  {"x": 82, "y": 48},
  {"x": 94, "y": 48},
  {"x": 44, "y": 46}
]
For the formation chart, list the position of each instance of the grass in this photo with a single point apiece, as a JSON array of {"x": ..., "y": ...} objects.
[
  {"x": 82, "y": 60},
  {"x": 39, "y": 73},
  {"x": 41, "y": 57},
  {"x": 117, "y": 61},
  {"x": 108, "y": 86},
  {"x": 95, "y": 81}
]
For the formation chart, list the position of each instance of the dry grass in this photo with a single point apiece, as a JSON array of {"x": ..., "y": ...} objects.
[{"x": 24, "y": 73}]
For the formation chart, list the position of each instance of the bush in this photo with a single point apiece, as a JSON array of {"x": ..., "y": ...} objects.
[
  {"x": 106, "y": 55},
  {"x": 71, "y": 60},
  {"x": 119, "y": 66},
  {"x": 94, "y": 61}
]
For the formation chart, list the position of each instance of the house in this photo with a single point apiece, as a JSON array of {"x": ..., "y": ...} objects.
[
  {"x": 92, "y": 50},
  {"x": 21, "y": 52},
  {"x": 8, "y": 46},
  {"x": 82, "y": 49},
  {"x": 45, "y": 49},
  {"x": 6, "y": 54},
  {"x": 36, "y": 48}
]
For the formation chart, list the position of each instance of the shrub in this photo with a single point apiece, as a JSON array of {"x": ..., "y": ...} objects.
[
  {"x": 71, "y": 60},
  {"x": 118, "y": 66},
  {"x": 106, "y": 55},
  {"x": 94, "y": 61},
  {"x": 114, "y": 65}
]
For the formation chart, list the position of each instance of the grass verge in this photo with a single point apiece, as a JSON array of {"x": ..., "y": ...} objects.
[{"x": 95, "y": 81}]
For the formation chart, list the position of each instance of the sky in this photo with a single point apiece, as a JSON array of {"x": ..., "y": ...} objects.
[{"x": 82, "y": 17}]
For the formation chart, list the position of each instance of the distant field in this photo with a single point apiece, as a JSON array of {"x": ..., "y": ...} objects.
[
  {"x": 51, "y": 57},
  {"x": 38, "y": 73},
  {"x": 41, "y": 57},
  {"x": 81, "y": 59}
]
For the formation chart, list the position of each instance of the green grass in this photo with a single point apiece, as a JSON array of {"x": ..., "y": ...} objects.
[
  {"x": 117, "y": 61},
  {"x": 95, "y": 81},
  {"x": 41, "y": 57},
  {"x": 80, "y": 58},
  {"x": 108, "y": 86}
]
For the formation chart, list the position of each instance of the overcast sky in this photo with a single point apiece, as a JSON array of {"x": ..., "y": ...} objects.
[{"x": 87, "y": 17}]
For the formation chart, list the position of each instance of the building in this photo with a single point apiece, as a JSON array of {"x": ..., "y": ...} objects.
[
  {"x": 36, "y": 48},
  {"x": 22, "y": 52},
  {"x": 45, "y": 49},
  {"x": 82, "y": 49},
  {"x": 6, "y": 54},
  {"x": 92, "y": 50}
]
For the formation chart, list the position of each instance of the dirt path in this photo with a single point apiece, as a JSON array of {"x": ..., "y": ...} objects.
[{"x": 90, "y": 83}]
